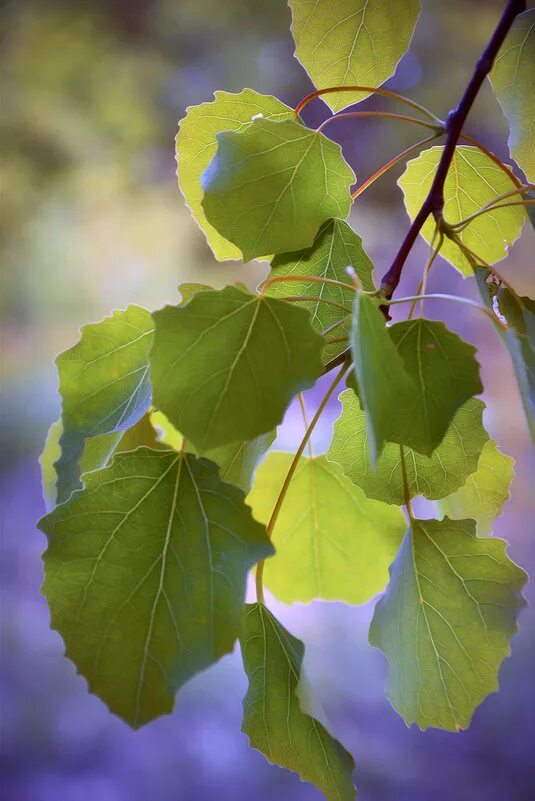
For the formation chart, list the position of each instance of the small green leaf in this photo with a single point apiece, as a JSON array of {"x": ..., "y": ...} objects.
[
  {"x": 513, "y": 81},
  {"x": 188, "y": 290},
  {"x": 272, "y": 185},
  {"x": 336, "y": 247},
  {"x": 433, "y": 477},
  {"x": 472, "y": 181},
  {"x": 237, "y": 462},
  {"x": 485, "y": 492},
  {"x": 145, "y": 576},
  {"x": 273, "y": 718},
  {"x": 331, "y": 541},
  {"x": 226, "y": 365},
  {"x": 351, "y": 42},
  {"x": 196, "y": 145},
  {"x": 445, "y": 621}
]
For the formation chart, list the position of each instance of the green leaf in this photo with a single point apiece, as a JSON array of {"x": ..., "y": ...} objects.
[
  {"x": 472, "y": 181},
  {"x": 196, "y": 145},
  {"x": 237, "y": 462},
  {"x": 445, "y": 621},
  {"x": 104, "y": 386},
  {"x": 351, "y": 42},
  {"x": 412, "y": 378},
  {"x": 336, "y": 247},
  {"x": 513, "y": 81},
  {"x": 145, "y": 576},
  {"x": 226, "y": 365},
  {"x": 272, "y": 185},
  {"x": 188, "y": 290},
  {"x": 434, "y": 477},
  {"x": 331, "y": 541},
  {"x": 273, "y": 717},
  {"x": 483, "y": 495},
  {"x": 519, "y": 313}
]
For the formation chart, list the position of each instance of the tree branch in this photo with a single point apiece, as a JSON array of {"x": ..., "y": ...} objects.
[{"x": 434, "y": 202}]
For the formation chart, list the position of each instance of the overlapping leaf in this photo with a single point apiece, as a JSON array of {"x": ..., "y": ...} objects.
[
  {"x": 473, "y": 180},
  {"x": 331, "y": 541},
  {"x": 483, "y": 495},
  {"x": 145, "y": 576},
  {"x": 335, "y": 248},
  {"x": 272, "y": 185},
  {"x": 272, "y": 715},
  {"x": 351, "y": 42},
  {"x": 434, "y": 477},
  {"x": 513, "y": 81},
  {"x": 196, "y": 145},
  {"x": 225, "y": 366},
  {"x": 445, "y": 621}
]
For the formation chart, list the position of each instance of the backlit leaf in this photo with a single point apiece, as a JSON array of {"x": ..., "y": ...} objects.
[
  {"x": 145, "y": 576},
  {"x": 445, "y": 621},
  {"x": 272, "y": 715},
  {"x": 226, "y": 365},
  {"x": 351, "y": 42},
  {"x": 196, "y": 145},
  {"x": 472, "y": 181},
  {"x": 270, "y": 186},
  {"x": 331, "y": 541}
]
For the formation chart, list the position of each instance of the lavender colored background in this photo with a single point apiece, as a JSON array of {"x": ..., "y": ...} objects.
[{"x": 92, "y": 220}]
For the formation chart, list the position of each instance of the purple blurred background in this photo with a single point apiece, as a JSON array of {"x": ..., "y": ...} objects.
[{"x": 92, "y": 220}]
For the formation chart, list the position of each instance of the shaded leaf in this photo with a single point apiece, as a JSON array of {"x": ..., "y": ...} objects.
[
  {"x": 196, "y": 145},
  {"x": 445, "y": 621},
  {"x": 331, "y": 541},
  {"x": 483, "y": 495},
  {"x": 472, "y": 181},
  {"x": 513, "y": 81},
  {"x": 270, "y": 187},
  {"x": 226, "y": 365},
  {"x": 272, "y": 715},
  {"x": 145, "y": 576},
  {"x": 434, "y": 477},
  {"x": 351, "y": 42}
]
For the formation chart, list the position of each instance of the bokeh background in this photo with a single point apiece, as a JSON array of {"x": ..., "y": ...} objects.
[{"x": 92, "y": 220}]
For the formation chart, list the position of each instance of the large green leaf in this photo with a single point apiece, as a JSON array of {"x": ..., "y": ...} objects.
[
  {"x": 519, "y": 312},
  {"x": 472, "y": 181},
  {"x": 336, "y": 247},
  {"x": 237, "y": 462},
  {"x": 513, "y": 81},
  {"x": 273, "y": 717},
  {"x": 483, "y": 495},
  {"x": 226, "y": 365},
  {"x": 445, "y": 621},
  {"x": 145, "y": 576},
  {"x": 331, "y": 541},
  {"x": 104, "y": 385},
  {"x": 196, "y": 145},
  {"x": 351, "y": 42},
  {"x": 272, "y": 185},
  {"x": 434, "y": 477}
]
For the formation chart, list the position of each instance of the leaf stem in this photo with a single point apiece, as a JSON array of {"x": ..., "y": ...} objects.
[
  {"x": 311, "y": 278},
  {"x": 284, "y": 489},
  {"x": 305, "y": 420},
  {"x": 492, "y": 156},
  {"x": 456, "y": 298},
  {"x": 345, "y": 115},
  {"x": 434, "y": 251},
  {"x": 460, "y": 226},
  {"x": 368, "y": 90},
  {"x": 308, "y": 299},
  {"x": 434, "y": 201},
  {"x": 406, "y": 490}
]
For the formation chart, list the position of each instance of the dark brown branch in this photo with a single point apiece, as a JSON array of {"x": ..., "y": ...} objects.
[{"x": 434, "y": 202}]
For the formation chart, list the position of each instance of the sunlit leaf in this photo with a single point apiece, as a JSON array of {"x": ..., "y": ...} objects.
[
  {"x": 270, "y": 186},
  {"x": 331, "y": 541},
  {"x": 273, "y": 717},
  {"x": 445, "y": 621},
  {"x": 196, "y": 145},
  {"x": 513, "y": 81},
  {"x": 472, "y": 181},
  {"x": 145, "y": 576},
  {"x": 226, "y": 365},
  {"x": 483, "y": 495},
  {"x": 434, "y": 477},
  {"x": 351, "y": 42}
]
